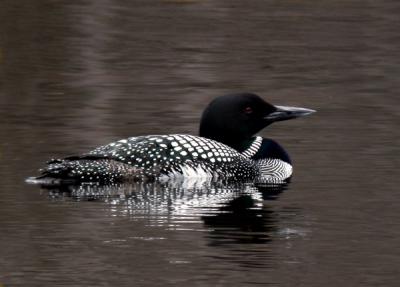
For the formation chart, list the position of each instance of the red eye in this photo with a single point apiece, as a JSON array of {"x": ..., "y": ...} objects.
[{"x": 248, "y": 110}]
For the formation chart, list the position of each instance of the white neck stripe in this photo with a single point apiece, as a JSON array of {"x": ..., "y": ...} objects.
[{"x": 253, "y": 149}]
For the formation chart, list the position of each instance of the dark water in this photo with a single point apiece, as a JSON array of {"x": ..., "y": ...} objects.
[{"x": 78, "y": 74}]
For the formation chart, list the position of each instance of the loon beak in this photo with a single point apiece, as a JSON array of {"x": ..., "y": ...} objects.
[{"x": 283, "y": 113}]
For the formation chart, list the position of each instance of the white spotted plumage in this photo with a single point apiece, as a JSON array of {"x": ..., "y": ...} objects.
[{"x": 169, "y": 156}]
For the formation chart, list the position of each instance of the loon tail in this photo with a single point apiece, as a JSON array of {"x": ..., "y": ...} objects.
[{"x": 87, "y": 168}]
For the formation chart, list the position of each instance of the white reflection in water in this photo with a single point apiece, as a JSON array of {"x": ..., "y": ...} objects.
[{"x": 228, "y": 213}]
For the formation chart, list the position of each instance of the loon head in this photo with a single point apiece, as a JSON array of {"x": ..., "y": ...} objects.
[{"x": 234, "y": 119}]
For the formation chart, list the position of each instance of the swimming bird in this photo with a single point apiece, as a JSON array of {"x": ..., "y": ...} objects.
[{"x": 227, "y": 148}]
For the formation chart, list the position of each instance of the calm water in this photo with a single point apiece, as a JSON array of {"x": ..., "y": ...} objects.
[{"x": 78, "y": 74}]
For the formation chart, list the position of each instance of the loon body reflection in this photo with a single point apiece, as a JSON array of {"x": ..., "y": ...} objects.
[
  {"x": 230, "y": 213},
  {"x": 226, "y": 148}
]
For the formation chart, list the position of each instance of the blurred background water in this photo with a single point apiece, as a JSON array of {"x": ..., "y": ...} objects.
[{"x": 78, "y": 74}]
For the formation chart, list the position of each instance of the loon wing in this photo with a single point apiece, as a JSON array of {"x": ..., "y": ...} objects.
[
  {"x": 162, "y": 157},
  {"x": 152, "y": 157}
]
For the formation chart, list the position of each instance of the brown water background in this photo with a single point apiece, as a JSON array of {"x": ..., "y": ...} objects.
[{"x": 78, "y": 74}]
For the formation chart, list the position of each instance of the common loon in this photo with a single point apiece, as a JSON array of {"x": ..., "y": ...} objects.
[{"x": 226, "y": 148}]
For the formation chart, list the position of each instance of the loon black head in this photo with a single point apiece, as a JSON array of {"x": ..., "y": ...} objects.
[{"x": 234, "y": 119}]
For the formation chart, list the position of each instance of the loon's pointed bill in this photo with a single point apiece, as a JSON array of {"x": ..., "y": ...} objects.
[{"x": 283, "y": 113}]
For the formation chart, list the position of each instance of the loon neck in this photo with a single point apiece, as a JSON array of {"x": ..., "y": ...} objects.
[
  {"x": 241, "y": 145},
  {"x": 253, "y": 148}
]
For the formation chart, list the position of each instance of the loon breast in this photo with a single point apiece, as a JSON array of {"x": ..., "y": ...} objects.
[{"x": 272, "y": 160}]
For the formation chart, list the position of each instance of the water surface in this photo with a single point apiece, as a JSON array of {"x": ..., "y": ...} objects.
[{"x": 76, "y": 75}]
